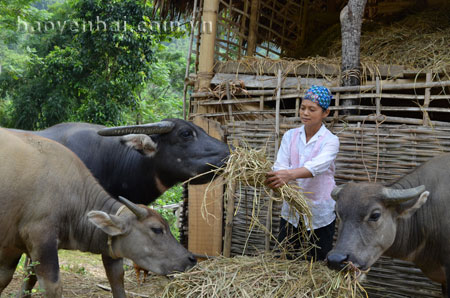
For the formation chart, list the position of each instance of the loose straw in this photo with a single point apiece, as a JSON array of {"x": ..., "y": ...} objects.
[{"x": 262, "y": 276}]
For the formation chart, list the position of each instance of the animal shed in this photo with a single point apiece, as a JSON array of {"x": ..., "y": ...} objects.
[{"x": 398, "y": 117}]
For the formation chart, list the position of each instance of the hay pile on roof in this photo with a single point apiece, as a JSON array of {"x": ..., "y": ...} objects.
[
  {"x": 419, "y": 41},
  {"x": 262, "y": 276}
]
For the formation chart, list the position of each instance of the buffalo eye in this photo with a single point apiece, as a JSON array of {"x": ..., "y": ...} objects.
[
  {"x": 157, "y": 230},
  {"x": 375, "y": 216},
  {"x": 186, "y": 133}
]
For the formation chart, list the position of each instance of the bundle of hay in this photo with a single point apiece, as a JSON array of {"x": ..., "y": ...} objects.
[
  {"x": 262, "y": 276},
  {"x": 249, "y": 167}
]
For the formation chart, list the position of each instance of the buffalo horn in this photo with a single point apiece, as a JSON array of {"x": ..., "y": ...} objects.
[
  {"x": 397, "y": 196},
  {"x": 336, "y": 191},
  {"x": 140, "y": 212},
  {"x": 148, "y": 129}
]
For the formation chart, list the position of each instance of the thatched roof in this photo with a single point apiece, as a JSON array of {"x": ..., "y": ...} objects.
[
  {"x": 405, "y": 34},
  {"x": 174, "y": 9}
]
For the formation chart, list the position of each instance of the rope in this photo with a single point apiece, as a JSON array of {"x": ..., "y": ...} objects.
[{"x": 377, "y": 125}]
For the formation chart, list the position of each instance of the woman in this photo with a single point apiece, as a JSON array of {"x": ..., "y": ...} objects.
[{"x": 306, "y": 156}]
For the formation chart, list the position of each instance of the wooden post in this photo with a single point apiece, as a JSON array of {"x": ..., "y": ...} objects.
[
  {"x": 253, "y": 28},
  {"x": 351, "y": 22},
  {"x": 426, "y": 103},
  {"x": 228, "y": 234},
  {"x": 208, "y": 39},
  {"x": 205, "y": 234}
]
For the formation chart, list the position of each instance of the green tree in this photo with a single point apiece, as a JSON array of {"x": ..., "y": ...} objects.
[
  {"x": 14, "y": 55},
  {"x": 93, "y": 70},
  {"x": 162, "y": 96}
]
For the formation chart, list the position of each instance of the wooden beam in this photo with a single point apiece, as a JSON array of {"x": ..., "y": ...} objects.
[
  {"x": 363, "y": 88},
  {"x": 261, "y": 67},
  {"x": 254, "y": 81}
]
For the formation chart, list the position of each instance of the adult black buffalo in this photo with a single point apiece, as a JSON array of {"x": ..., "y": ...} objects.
[
  {"x": 408, "y": 220},
  {"x": 141, "y": 162}
]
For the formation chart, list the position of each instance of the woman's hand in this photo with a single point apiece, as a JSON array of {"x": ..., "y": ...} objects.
[{"x": 278, "y": 178}]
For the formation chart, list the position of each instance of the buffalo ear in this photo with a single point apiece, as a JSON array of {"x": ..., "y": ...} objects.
[
  {"x": 408, "y": 208},
  {"x": 110, "y": 224},
  {"x": 335, "y": 192},
  {"x": 140, "y": 142}
]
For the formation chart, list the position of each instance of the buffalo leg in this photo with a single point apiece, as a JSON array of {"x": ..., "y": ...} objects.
[
  {"x": 29, "y": 281},
  {"x": 45, "y": 257},
  {"x": 8, "y": 266},
  {"x": 114, "y": 272}
]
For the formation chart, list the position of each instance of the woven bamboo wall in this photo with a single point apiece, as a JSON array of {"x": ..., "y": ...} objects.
[{"x": 402, "y": 120}]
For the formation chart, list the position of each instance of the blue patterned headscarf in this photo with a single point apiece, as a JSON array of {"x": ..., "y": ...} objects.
[{"x": 320, "y": 95}]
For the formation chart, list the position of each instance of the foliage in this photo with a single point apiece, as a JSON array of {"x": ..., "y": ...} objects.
[
  {"x": 163, "y": 94},
  {"x": 87, "y": 61},
  {"x": 171, "y": 196}
]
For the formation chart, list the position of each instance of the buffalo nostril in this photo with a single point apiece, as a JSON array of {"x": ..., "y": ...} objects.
[{"x": 336, "y": 261}]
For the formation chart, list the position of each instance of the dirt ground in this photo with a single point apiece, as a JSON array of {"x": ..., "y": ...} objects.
[{"x": 81, "y": 273}]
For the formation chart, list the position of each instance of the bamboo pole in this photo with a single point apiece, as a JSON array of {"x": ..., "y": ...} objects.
[
  {"x": 268, "y": 225},
  {"x": 242, "y": 29},
  {"x": 337, "y": 101},
  {"x": 228, "y": 233},
  {"x": 197, "y": 43},
  {"x": 230, "y": 107},
  {"x": 363, "y": 88},
  {"x": 363, "y": 108},
  {"x": 391, "y": 86},
  {"x": 253, "y": 28},
  {"x": 277, "y": 141},
  {"x": 341, "y": 118},
  {"x": 188, "y": 59},
  {"x": 426, "y": 104},
  {"x": 277, "y": 112},
  {"x": 378, "y": 98},
  {"x": 337, "y": 96},
  {"x": 304, "y": 16},
  {"x": 208, "y": 38},
  {"x": 261, "y": 105}
]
